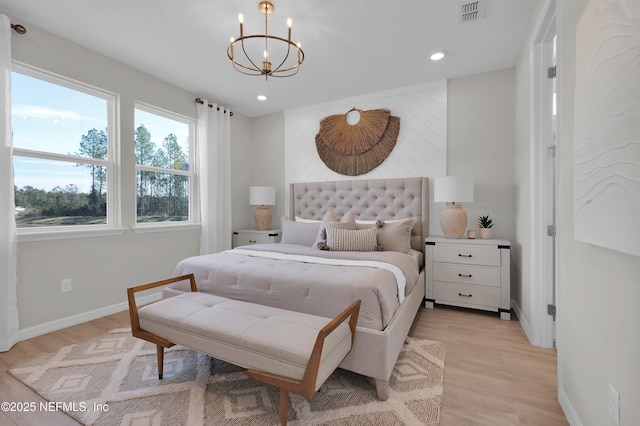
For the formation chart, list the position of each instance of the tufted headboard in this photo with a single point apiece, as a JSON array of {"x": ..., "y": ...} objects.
[{"x": 375, "y": 199}]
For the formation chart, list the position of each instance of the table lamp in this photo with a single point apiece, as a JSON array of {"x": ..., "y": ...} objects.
[
  {"x": 453, "y": 190},
  {"x": 262, "y": 196}
]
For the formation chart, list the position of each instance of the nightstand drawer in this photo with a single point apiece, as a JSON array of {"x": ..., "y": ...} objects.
[
  {"x": 466, "y": 254},
  {"x": 244, "y": 237},
  {"x": 247, "y": 238},
  {"x": 462, "y": 294},
  {"x": 472, "y": 275}
]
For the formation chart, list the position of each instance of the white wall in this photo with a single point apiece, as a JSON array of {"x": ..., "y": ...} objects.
[
  {"x": 600, "y": 288},
  {"x": 268, "y": 153},
  {"x": 257, "y": 158},
  {"x": 241, "y": 166},
  {"x": 101, "y": 268},
  {"x": 481, "y": 132}
]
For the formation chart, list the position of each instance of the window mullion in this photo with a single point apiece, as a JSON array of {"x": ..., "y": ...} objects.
[
  {"x": 163, "y": 170},
  {"x": 60, "y": 157}
]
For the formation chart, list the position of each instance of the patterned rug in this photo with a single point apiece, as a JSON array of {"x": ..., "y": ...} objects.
[{"x": 112, "y": 380}]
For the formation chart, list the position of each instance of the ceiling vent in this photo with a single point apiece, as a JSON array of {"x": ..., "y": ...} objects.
[{"x": 471, "y": 11}]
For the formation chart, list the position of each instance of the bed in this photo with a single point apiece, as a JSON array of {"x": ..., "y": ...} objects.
[{"x": 316, "y": 268}]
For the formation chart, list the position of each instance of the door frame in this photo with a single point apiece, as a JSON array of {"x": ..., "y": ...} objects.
[{"x": 544, "y": 253}]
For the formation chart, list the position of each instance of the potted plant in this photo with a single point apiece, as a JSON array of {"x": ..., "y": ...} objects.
[{"x": 485, "y": 223}]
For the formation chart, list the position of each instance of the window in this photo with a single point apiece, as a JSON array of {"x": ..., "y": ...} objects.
[
  {"x": 63, "y": 152},
  {"x": 164, "y": 172}
]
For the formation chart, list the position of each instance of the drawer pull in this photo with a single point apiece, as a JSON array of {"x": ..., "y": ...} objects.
[
  {"x": 464, "y": 255},
  {"x": 465, "y": 275},
  {"x": 252, "y": 241},
  {"x": 465, "y": 295}
]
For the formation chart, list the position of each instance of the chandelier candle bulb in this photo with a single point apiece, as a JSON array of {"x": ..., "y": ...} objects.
[{"x": 241, "y": 19}]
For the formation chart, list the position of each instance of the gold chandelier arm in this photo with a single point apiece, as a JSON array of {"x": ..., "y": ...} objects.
[
  {"x": 284, "y": 60},
  {"x": 256, "y": 69},
  {"x": 242, "y": 39},
  {"x": 296, "y": 66}
]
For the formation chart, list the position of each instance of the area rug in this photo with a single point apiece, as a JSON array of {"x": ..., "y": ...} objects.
[{"x": 112, "y": 380}]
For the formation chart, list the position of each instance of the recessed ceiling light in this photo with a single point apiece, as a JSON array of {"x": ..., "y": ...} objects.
[
  {"x": 262, "y": 98},
  {"x": 436, "y": 56}
]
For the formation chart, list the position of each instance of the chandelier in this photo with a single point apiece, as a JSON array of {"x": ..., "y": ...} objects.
[{"x": 284, "y": 48}]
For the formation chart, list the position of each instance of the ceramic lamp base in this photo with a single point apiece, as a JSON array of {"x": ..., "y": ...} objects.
[
  {"x": 262, "y": 217},
  {"x": 453, "y": 220}
]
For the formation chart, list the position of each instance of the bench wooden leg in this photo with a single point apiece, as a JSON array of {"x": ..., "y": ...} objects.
[
  {"x": 284, "y": 406},
  {"x": 160, "y": 353}
]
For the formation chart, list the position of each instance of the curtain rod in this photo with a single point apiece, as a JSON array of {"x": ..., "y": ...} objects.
[
  {"x": 201, "y": 102},
  {"x": 20, "y": 29}
]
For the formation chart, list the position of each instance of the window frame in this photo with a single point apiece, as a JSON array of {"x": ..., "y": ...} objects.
[
  {"x": 193, "y": 220},
  {"x": 113, "y": 188}
]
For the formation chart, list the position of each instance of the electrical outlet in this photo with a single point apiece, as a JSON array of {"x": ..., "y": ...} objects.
[
  {"x": 65, "y": 285},
  {"x": 614, "y": 405}
]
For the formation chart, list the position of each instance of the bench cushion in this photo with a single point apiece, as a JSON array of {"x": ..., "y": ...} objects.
[{"x": 249, "y": 335}]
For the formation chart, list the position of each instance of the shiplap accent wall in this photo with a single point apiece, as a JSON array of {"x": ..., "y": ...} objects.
[{"x": 421, "y": 148}]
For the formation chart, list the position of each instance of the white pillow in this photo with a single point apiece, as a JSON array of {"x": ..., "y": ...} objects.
[{"x": 299, "y": 219}]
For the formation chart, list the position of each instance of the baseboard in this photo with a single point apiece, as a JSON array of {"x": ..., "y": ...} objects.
[
  {"x": 523, "y": 321},
  {"x": 40, "y": 329},
  {"x": 567, "y": 407}
]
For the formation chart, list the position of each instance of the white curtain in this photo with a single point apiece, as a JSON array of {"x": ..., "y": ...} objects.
[
  {"x": 213, "y": 147},
  {"x": 8, "y": 235}
]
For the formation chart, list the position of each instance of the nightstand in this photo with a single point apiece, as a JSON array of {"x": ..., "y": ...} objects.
[
  {"x": 244, "y": 237},
  {"x": 468, "y": 273}
]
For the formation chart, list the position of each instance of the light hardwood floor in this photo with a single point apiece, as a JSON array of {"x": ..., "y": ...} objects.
[{"x": 492, "y": 375}]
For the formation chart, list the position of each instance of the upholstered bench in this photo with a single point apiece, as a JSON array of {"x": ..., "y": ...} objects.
[{"x": 293, "y": 351}]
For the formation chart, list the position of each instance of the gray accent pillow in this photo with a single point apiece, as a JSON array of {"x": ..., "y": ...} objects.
[
  {"x": 396, "y": 235},
  {"x": 301, "y": 233}
]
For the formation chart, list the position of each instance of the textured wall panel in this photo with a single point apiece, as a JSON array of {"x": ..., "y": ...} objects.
[
  {"x": 607, "y": 139},
  {"x": 421, "y": 148}
]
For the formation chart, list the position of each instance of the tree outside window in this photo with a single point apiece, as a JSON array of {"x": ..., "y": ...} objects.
[{"x": 163, "y": 159}]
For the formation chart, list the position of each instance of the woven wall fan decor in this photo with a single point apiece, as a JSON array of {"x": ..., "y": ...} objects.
[{"x": 356, "y": 148}]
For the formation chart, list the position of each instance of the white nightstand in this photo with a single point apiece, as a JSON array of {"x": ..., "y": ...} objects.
[
  {"x": 468, "y": 273},
  {"x": 244, "y": 237}
]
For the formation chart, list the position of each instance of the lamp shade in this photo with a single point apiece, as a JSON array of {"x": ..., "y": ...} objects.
[
  {"x": 262, "y": 196},
  {"x": 453, "y": 189}
]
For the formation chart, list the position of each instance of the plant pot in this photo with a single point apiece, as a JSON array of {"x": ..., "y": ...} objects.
[{"x": 485, "y": 233}]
